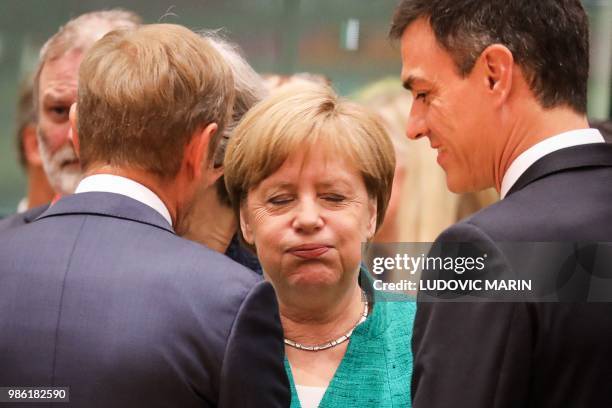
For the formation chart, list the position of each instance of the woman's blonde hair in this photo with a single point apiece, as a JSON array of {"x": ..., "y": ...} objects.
[{"x": 298, "y": 117}]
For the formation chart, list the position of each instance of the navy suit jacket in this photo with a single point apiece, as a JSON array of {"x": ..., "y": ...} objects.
[
  {"x": 502, "y": 355},
  {"x": 19, "y": 219},
  {"x": 99, "y": 294}
]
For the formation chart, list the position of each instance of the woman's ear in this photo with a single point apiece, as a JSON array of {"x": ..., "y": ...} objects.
[
  {"x": 373, "y": 216},
  {"x": 245, "y": 226}
]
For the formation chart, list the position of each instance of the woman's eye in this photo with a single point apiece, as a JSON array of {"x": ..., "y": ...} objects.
[
  {"x": 279, "y": 200},
  {"x": 334, "y": 198}
]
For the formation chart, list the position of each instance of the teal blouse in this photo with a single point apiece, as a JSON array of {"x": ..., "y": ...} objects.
[{"x": 377, "y": 367}]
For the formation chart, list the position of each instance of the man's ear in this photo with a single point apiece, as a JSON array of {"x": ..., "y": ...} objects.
[
  {"x": 74, "y": 133},
  {"x": 30, "y": 146},
  {"x": 373, "y": 217},
  {"x": 245, "y": 227},
  {"x": 196, "y": 151},
  {"x": 497, "y": 65}
]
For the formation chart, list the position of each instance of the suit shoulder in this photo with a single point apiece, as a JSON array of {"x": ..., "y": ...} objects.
[
  {"x": 11, "y": 221},
  {"x": 191, "y": 252},
  {"x": 469, "y": 229},
  {"x": 503, "y": 220},
  {"x": 196, "y": 271},
  {"x": 19, "y": 219}
]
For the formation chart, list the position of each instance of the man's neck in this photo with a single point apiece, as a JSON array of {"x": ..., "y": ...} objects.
[
  {"x": 535, "y": 125},
  {"x": 210, "y": 222},
  {"x": 165, "y": 191}
]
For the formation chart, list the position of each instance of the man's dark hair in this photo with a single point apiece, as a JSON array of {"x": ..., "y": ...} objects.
[{"x": 549, "y": 40}]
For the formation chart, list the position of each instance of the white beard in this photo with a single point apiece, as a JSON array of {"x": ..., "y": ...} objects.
[{"x": 63, "y": 179}]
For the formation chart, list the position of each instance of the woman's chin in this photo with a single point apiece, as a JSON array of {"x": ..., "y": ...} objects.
[{"x": 313, "y": 278}]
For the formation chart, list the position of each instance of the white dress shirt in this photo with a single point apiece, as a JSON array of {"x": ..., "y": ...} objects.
[
  {"x": 541, "y": 149},
  {"x": 109, "y": 183}
]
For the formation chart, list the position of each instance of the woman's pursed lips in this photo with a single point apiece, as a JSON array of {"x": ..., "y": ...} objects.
[{"x": 309, "y": 251}]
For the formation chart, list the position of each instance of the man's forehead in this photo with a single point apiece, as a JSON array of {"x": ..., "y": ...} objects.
[
  {"x": 64, "y": 68},
  {"x": 422, "y": 56},
  {"x": 57, "y": 91},
  {"x": 59, "y": 78},
  {"x": 418, "y": 39}
]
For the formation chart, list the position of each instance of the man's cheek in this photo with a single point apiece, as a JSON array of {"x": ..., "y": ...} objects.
[{"x": 57, "y": 138}]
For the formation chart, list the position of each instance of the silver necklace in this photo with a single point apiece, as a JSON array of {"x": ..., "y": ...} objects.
[{"x": 332, "y": 343}]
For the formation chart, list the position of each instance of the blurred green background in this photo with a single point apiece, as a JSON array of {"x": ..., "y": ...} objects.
[{"x": 277, "y": 36}]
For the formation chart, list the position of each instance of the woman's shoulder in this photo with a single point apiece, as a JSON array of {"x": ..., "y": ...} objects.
[
  {"x": 397, "y": 315},
  {"x": 405, "y": 307},
  {"x": 391, "y": 321}
]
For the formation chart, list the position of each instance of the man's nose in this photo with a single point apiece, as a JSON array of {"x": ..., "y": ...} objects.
[
  {"x": 416, "y": 127},
  {"x": 65, "y": 135},
  {"x": 308, "y": 216}
]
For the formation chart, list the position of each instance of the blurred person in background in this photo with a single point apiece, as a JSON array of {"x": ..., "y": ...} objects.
[
  {"x": 39, "y": 191},
  {"x": 212, "y": 221},
  {"x": 605, "y": 127},
  {"x": 421, "y": 206},
  {"x": 310, "y": 176},
  {"x": 500, "y": 91},
  {"x": 273, "y": 82},
  {"x": 55, "y": 90},
  {"x": 112, "y": 303}
]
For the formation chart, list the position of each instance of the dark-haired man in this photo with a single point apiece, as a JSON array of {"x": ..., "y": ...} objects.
[{"x": 500, "y": 91}]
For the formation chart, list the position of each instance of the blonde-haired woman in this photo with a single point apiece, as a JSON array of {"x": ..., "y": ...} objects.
[{"x": 310, "y": 176}]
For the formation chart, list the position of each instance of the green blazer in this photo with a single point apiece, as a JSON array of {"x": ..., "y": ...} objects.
[{"x": 377, "y": 368}]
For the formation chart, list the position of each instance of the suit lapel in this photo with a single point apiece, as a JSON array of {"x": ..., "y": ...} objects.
[
  {"x": 583, "y": 156},
  {"x": 109, "y": 205},
  {"x": 34, "y": 213}
]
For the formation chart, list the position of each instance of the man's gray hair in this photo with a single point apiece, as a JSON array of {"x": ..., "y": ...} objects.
[
  {"x": 79, "y": 34},
  {"x": 249, "y": 89}
]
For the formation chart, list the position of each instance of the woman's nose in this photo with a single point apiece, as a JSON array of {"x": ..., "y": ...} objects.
[{"x": 308, "y": 216}]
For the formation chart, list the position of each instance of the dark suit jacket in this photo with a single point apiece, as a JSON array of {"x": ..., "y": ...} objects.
[
  {"x": 19, "y": 219},
  {"x": 499, "y": 355},
  {"x": 100, "y": 295},
  {"x": 239, "y": 253}
]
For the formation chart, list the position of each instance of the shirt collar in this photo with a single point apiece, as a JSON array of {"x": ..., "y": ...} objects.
[
  {"x": 541, "y": 149},
  {"x": 110, "y": 183},
  {"x": 23, "y": 205}
]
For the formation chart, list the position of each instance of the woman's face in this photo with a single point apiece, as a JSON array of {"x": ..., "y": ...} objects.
[{"x": 308, "y": 220}]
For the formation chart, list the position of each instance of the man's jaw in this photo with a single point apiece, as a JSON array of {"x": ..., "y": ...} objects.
[{"x": 62, "y": 169}]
